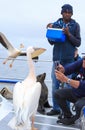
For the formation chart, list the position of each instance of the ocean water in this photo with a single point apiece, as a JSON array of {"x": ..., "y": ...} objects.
[{"x": 20, "y": 68}]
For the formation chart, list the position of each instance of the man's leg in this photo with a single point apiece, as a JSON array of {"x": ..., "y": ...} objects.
[
  {"x": 55, "y": 86},
  {"x": 78, "y": 106},
  {"x": 80, "y": 103},
  {"x": 62, "y": 96}
]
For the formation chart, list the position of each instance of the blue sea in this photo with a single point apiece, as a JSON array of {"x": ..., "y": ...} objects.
[{"x": 20, "y": 68}]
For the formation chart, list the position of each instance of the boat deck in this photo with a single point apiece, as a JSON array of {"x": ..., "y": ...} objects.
[{"x": 42, "y": 122}]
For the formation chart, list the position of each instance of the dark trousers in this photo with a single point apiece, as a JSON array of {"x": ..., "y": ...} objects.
[
  {"x": 79, "y": 105},
  {"x": 66, "y": 94}
]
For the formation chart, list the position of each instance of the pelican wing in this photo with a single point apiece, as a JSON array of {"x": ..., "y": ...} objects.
[
  {"x": 18, "y": 95},
  {"x": 17, "y": 103},
  {"x": 30, "y": 104},
  {"x": 32, "y": 100},
  {"x": 26, "y": 101},
  {"x": 4, "y": 41}
]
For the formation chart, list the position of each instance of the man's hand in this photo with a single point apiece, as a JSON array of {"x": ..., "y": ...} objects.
[
  {"x": 49, "y": 25},
  {"x": 60, "y": 76},
  {"x": 66, "y": 31},
  {"x": 61, "y": 68}
]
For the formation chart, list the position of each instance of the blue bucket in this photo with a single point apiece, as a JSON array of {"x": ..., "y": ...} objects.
[{"x": 56, "y": 35}]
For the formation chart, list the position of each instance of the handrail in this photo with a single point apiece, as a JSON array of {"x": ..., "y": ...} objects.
[
  {"x": 33, "y": 60},
  {"x": 7, "y": 80},
  {"x": 15, "y": 80}
]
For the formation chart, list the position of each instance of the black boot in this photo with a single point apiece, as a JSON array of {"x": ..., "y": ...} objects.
[
  {"x": 53, "y": 112},
  {"x": 67, "y": 121}
]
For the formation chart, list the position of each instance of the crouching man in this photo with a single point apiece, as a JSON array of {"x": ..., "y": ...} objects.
[{"x": 75, "y": 94}]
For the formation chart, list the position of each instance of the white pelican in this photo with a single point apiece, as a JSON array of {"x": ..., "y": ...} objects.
[
  {"x": 26, "y": 96},
  {"x": 13, "y": 52}
]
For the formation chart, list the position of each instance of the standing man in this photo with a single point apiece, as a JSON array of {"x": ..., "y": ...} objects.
[{"x": 63, "y": 52}]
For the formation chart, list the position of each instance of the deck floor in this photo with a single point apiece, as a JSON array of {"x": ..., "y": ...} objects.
[{"x": 42, "y": 122}]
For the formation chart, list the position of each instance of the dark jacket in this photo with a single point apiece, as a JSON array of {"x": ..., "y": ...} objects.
[
  {"x": 77, "y": 67},
  {"x": 76, "y": 74},
  {"x": 65, "y": 51}
]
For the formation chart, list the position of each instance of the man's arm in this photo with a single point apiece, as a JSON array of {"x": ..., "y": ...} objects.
[
  {"x": 73, "y": 67},
  {"x": 60, "y": 76},
  {"x": 75, "y": 39}
]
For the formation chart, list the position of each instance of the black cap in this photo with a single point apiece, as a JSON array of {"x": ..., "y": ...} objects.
[{"x": 67, "y": 8}]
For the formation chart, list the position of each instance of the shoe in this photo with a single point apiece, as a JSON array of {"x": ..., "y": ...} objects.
[
  {"x": 47, "y": 105},
  {"x": 53, "y": 112},
  {"x": 67, "y": 121},
  {"x": 61, "y": 116}
]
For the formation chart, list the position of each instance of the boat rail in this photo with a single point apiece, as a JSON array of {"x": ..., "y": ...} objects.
[{"x": 10, "y": 76}]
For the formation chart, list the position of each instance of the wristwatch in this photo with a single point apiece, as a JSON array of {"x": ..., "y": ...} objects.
[{"x": 68, "y": 81}]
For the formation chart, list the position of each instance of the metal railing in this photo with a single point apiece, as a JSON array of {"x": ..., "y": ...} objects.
[{"x": 10, "y": 76}]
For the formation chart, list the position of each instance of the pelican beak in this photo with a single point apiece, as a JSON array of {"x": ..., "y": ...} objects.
[{"x": 37, "y": 52}]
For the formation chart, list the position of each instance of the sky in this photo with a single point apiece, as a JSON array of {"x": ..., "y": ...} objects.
[{"x": 22, "y": 20}]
